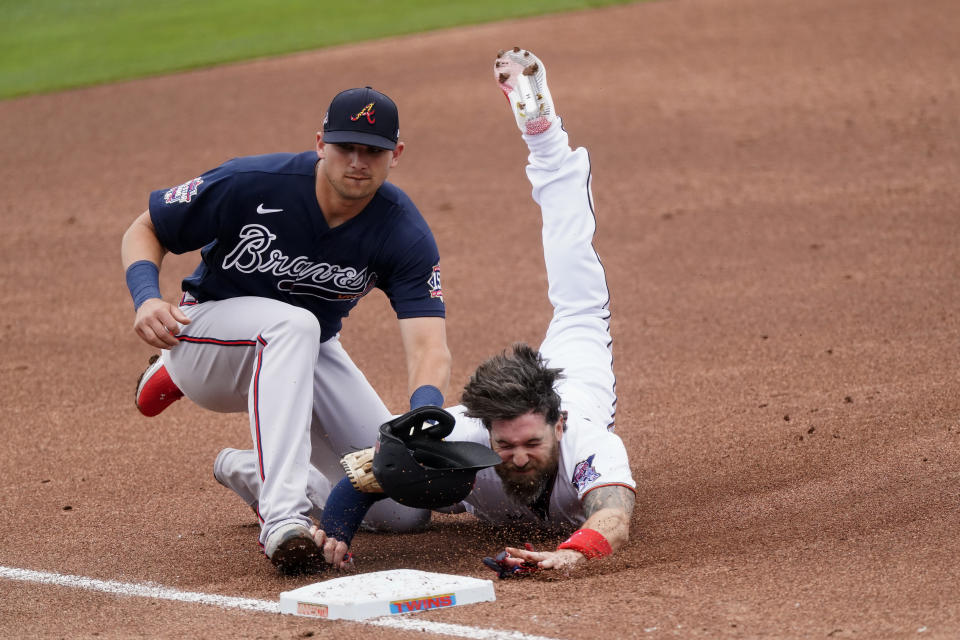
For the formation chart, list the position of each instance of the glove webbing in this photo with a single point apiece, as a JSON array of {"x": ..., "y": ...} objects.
[{"x": 359, "y": 469}]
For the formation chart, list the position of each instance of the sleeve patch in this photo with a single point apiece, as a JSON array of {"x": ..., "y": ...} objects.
[
  {"x": 584, "y": 473},
  {"x": 183, "y": 192},
  {"x": 436, "y": 291}
]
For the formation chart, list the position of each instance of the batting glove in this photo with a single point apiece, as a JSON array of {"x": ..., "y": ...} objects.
[{"x": 504, "y": 569}]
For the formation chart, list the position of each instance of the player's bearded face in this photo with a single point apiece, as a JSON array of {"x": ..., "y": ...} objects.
[
  {"x": 530, "y": 450},
  {"x": 356, "y": 171}
]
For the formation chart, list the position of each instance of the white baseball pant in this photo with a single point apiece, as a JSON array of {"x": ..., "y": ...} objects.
[{"x": 307, "y": 402}]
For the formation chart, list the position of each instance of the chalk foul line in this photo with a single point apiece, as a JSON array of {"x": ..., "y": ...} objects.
[{"x": 159, "y": 592}]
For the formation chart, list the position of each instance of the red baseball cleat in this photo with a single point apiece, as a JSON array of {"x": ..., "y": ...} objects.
[{"x": 155, "y": 390}]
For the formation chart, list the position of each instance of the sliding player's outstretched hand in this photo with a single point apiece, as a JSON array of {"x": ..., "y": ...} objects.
[{"x": 508, "y": 565}]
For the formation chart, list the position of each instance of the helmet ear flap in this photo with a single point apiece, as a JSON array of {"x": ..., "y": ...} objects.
[{"x": 417, "y": 468}]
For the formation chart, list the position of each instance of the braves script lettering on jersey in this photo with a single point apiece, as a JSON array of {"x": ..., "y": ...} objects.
[
  {"x": 292, "y": 255},
  {"x": 266, "y": 304},
  {"x": 342, "y": 283},
  {"x": 578, "y": 340},
  {"x": 562, "y": 467}
]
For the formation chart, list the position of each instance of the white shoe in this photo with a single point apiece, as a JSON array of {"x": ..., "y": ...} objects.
[
  {"x": 293, "y": 551},
  {"x": 218, "y": 473},
  {"x": 523, "y": 80},
  {"x": 235, "y": 484}
]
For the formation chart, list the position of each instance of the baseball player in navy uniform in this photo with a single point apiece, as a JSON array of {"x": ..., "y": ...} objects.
[
  {"x": 548, "y": 413},
  {"x": 290, "y": 242}
]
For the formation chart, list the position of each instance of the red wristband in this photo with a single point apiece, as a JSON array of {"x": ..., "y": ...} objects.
[{"x": 589, "y": 542}]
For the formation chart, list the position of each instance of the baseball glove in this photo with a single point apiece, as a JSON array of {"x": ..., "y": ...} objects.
[{"x": 358, "y": 466}]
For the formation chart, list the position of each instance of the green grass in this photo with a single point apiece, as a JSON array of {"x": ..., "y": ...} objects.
[{"x": 48, "y": 45}]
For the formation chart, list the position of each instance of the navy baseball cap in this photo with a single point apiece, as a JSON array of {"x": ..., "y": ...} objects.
[{"x": 362, "y": 116}]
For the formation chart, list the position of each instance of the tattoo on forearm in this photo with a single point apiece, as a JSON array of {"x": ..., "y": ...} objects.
[{"x": 619, "y": 498}]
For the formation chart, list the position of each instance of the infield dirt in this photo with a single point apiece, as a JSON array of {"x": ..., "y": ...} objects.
[{"x": 776, "y": 186}]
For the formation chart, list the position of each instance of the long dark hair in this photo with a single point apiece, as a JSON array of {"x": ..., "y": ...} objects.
[{"x": 510, "y": 384}]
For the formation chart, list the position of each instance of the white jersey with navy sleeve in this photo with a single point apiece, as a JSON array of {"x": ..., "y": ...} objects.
[{"x": 590, "y": 457}]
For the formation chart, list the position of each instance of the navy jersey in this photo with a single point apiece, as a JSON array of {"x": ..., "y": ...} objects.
[{"x": 262, "y": 233}]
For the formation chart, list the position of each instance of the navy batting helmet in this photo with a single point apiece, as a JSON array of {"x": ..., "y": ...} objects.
[{"x": 417, "y": 468}]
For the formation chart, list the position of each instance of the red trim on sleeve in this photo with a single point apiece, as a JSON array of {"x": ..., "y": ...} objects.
[{"x": 611, "y": 484}]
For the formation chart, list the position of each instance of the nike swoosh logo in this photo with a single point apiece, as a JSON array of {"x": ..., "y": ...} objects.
[{"x": 260, "y": 209}]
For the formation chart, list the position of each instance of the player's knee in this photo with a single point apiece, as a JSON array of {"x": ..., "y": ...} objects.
[
  {"x": 387, "y": 516},
  {"x": 294, "y": 322},
  {"x": 303, "y": 320}
]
